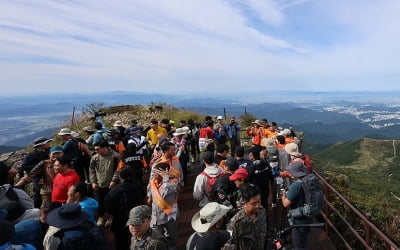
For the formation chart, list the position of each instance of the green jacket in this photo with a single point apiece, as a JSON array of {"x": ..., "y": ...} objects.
[
  {"x": 248, "y": 233},
  {"x": 102, "y": 168},
  {"x": 151, "y": 240}
]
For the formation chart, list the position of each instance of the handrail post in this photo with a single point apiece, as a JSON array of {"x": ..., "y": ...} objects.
[
  {"x": 367, "y": 230},
  {"x": 326, "y": 209}
]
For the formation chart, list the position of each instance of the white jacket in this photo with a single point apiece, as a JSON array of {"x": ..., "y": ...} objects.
[{"x": 199, "y": 188}]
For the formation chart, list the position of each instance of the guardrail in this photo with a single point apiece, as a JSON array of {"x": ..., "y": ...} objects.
[{"x": 368, "y": 230}]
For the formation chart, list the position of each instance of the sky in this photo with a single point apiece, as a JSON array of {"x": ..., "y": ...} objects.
[{"x": 198, "y": 46}]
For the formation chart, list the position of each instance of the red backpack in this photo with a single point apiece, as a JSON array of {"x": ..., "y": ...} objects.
[
  {"x": 210, "y": 183},
  {"x": 308, "y": 163}
]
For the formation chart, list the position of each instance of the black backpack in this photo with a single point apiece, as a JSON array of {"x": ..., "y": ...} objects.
[
  {"x": 314, "y": 198},
  {"x": 92, "y": 238}
]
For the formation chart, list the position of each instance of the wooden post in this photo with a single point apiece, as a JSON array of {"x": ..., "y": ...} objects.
[
  {"x": 73, "y": 117},
  {"x": 367, "y": 230},
  {"x": 326, "y": 208},
  {"x": 224, "y": 113}
]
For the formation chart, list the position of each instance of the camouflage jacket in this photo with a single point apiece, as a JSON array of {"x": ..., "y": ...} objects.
[
  {"x": 151, "y": 240},
  {"x": 248, "y": 233}
]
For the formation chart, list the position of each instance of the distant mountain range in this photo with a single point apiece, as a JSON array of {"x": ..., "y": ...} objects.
[{"x": 324, "y": 117}]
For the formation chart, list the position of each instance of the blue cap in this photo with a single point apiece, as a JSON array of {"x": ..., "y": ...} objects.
[{"x": 56, "y": 149}]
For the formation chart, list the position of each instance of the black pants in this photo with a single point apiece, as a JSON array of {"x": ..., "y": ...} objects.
[{"x": 99, "y": 195}]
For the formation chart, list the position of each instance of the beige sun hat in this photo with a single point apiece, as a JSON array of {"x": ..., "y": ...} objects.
[
  {"x": 64, "y": 131},
  {"x": 210, "y": 214},
  {"x": 180, "y": 131},
  {"x": 258, "y": 122},
  {"x": 292, "y": 149}
]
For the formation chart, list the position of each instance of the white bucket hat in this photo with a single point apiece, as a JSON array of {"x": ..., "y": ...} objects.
[
  {"x": 64, "y": 131},
  {"x": 180, "y": 131},
  {"x": 208, "y": 216},
  {"x": 292, "y": 149}
]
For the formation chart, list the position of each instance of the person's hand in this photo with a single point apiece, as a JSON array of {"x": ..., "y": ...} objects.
[
  {"x": 161, "y": 172},
  {"x": 112, "y": 184},
  {"x": 95, "y": 186}
]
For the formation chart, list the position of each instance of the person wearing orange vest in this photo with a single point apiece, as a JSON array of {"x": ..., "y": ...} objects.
[
  {"x": 255, "y": 132},
  {"x": 162, "y": 195}
]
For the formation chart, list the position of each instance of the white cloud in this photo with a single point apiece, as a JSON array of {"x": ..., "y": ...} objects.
[{"x": 198, "y": 43}]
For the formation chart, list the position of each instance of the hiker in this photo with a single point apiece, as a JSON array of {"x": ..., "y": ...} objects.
[
  {"x": 202, "y": 188},
  {"x": 222, "y": 153},
  {"x": 232, "y": 130},
  {"x": 255, "y": 132},
  {"x": 260, "y": 174},
  {"x": 62, "y": 182},
  {"x": 28, "y": 228},
  {"x": 70, "y": 146},
  {"x": 118, "y": 125},
  {"x": 7, "y": 192},
  {"x": 153, "y": 132},
  {"x": 206, "y": 136},
  {"x": 103, "y": 166},
  {"x": 7, "y": 232},
  {"x": 143, "y": 237},
  {"x": 82, "y": 162},
  {"x": 99, "y": 133},
  {"x": 119, "y": 201},
  {"x": 295, "y": 198},
  {"x": 162, "y": 195},
  {"x": 78, "y": 193},
  {"x": 193, "y": 137},
  {"x": 169, "y": 156},
  {"x": 41, "y": 147},
  {"x": 69, "y": 229},
  {"x": 223, "y": 189},
  {"x": 179, "y": 139},
  {"x": 115, "y": 141},
  {"x": 249, "y": 225},
  {"x": 239, "y": 156},
  {"x": 89, "y": 131},
  {"x": 44, "y": 169},
  {"x": 240, "y": 179},
  {"x": 219, "y": 131},
  {"x": 135, "y": 160},
  {"x": 208, "y": 224}
]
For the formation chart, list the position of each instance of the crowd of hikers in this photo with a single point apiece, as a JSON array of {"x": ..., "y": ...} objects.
[{"x": 128, "y": 178}]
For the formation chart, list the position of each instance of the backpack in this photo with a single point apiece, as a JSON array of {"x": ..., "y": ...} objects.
[
  {"x": 210, "y": 183},
  {"x": 308, "y": 163},
  {"x": 273, "y": 159},
  {"x": 81, "y": 239},
  {"x": 314, "y": 198},
  {"x": 11, "y": 195}
]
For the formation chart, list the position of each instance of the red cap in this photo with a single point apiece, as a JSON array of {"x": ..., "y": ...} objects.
[{"x": 240, "y": 173}]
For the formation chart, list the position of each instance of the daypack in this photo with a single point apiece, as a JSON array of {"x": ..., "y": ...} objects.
[
  {"x": 92, "y": 239},
  {"x": 210, "y": 183},
  {"x": 308, "y": 163},
  {"x": 314, "y": 198}
]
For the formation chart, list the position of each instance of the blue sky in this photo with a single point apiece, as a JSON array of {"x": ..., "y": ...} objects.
[{"x": 199, "y": 46}]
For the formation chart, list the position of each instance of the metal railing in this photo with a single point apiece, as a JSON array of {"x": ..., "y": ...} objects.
[{"x": 369, "y": 228}]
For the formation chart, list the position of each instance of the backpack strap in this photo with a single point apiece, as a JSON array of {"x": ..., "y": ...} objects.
[{"x": 11, "y": 195}]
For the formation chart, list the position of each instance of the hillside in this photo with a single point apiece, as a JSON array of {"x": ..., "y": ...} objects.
[{"x": 371, "y": 165}]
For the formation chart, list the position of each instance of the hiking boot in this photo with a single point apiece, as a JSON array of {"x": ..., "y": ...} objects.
[
  {"x": 100, "y": 222},
  {"x": 109, "y": 221}
]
